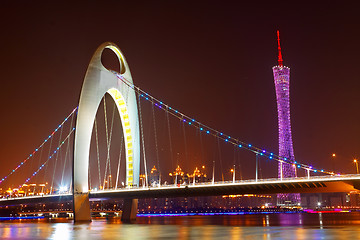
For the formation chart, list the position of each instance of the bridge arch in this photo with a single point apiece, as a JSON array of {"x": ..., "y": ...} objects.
[{"x": 97, "y": 82}]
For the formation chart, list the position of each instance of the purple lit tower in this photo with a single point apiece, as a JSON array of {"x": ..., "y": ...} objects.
[{"x": 282, "y": 87}]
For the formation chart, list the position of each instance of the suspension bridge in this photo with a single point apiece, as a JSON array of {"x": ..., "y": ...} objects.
[{"x": 105, "y": 148}]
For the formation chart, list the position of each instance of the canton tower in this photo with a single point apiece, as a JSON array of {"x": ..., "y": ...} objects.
[{"x": 282, "y": 87}]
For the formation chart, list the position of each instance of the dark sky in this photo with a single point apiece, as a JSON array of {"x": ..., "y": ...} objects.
[{"x": 210, "y": 59}]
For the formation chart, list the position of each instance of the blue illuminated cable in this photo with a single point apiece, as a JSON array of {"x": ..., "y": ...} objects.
[
  {"x": 211, "y": 131},
  {"x": 39, "y": 147}
]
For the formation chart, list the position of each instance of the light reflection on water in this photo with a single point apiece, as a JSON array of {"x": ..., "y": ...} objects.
[{"x": 259, "y": 226}]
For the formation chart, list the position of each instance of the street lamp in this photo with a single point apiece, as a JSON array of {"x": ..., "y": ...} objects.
[
  {"x": 42, "y": 188},
  {"x": 109, "y": 182},
  {"x": 233, "y": 173},
  {"x": 256, "y": 166},
  {"x": 333, "y": 161},
  {"x": 357, "y": 166}
]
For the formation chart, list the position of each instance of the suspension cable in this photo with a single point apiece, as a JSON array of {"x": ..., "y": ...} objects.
[
  {"x": 41, "y": 153},
  {"x": 49, "y": 158},
  {"x": 260, "y": 171},
  {"x": 67, "y": 151},
  {"x": 220, "y": 159},
  {"x": 97, "y": 152},
  {"x": 156, "y": 143},
  {"x": 111, "y": 132},
  {"x": 170, "y": 142},
  {"x": 118, "y": 168},
  {"x": 185, "y": 143},
  {"x": 219, "y": 134},
  {"x": 202, "y": 149},
  {"x": 107, "y": 141},
  {"x": 142, "y": 141},
  {"x": 31, "y": 155},
  {"x": 238, "y": 160},
  {"x": 56, "y": 159}
]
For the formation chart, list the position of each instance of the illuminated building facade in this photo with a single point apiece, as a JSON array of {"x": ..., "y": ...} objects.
[
  {"x": 154, "y": 177},
  {"x": 179, "y": 177},
  {"x": 282, "y": 87}
]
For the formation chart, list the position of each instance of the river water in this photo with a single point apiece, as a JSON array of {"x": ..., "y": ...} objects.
[{"x": 247, "y": 226}]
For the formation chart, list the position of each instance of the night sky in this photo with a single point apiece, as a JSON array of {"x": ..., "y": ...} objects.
[{"x": 210, "y": 59}]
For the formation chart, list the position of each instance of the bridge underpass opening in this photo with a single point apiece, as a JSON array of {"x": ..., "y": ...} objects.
[{"x": 107, "y": 168}]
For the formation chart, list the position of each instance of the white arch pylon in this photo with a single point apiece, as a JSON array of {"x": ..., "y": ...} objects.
[{"x": 97, "y": 82}]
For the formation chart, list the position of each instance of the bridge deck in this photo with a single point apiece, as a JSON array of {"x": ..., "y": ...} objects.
[
  {"x": 343, "y": 183},
  {"x": 270, "y": 186}
]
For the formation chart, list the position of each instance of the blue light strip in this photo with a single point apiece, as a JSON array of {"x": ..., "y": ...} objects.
[
  {"x": 19, "y": 218},
  {"x": 41, "y": 145},
  {"x": 50, "y": 157},
  {"x": 208, "y": 214},
  {"x": 208, "y": 130}
]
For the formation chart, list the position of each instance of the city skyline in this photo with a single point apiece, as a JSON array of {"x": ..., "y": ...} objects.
[
  {"x": 324, "y": 122},
  {"x": 171, "y": 119}
]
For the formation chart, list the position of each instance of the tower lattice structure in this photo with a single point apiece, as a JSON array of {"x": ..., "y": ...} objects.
[{"x": 286, "y": 150}]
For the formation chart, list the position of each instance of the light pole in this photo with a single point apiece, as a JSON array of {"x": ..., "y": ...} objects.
[
  {"x": 213, "y": 173},
  {"x": 333, "y": 161},
  {"x": 256, "y": 167},
  {"x": 294, "y": 165},
  {"x": 42, "y": 188},
  {"x": 308, "y": 172},
  {"x": 357, "y": 166},
  {"x": 233, "y": 173},
  {"x": 109, "y": 181}
]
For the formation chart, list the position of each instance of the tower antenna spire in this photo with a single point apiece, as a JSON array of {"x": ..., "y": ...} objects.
[{"x": 280, "y": 60}]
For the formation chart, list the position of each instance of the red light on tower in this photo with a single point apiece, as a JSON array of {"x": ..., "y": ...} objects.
[{"x": 280, "y": 60}]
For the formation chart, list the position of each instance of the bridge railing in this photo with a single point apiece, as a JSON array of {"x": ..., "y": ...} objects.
[
  {"x": 337, "y": 177},
  {"x": 219, "y": 183}
]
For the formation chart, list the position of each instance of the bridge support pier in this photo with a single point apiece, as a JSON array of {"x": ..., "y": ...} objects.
[
  {"x": 81, "y": 207},
  {"x": 129, "y": 210}
]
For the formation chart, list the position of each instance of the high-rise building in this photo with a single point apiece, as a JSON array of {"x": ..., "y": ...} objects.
[{"x": 282, "y": 87}]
